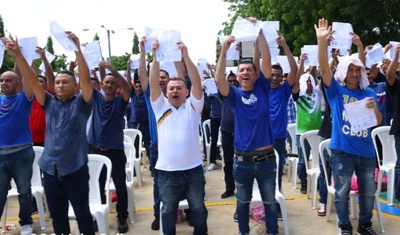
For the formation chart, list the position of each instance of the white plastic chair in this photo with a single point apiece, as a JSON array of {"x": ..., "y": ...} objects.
[
  {"x": 128, "y": 139},
  {"x": 135, "y": 133},
  {"x": 388, "y": 158},
  {"x": 278, "y": 197},
  {"x": 206, "y": 128},
  {"x": 312, "y": 169},
  {"x": 182, "y": 205},
  {"x": 293, "y": 161},
  {"x": 353, "y": 194},
  {"x": 37, "y": 191},
  {"x": 99, "y": 211}
]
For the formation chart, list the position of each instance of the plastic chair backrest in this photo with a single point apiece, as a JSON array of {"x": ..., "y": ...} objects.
[
  {"x": 207, "y": 131},
  {"x": 95, "y": 164},
  {"x": 135, "y": 133},
  {"x": 314, "y": 140},
  {"x": 130, "y": 151},
  {"x": 128, "y": 139},
  {"x": 322, "y": 146},
  {"x": 36, "y": 174},
  {"x": 388, "y": 148},
  {"x": 291, "y": 128}
]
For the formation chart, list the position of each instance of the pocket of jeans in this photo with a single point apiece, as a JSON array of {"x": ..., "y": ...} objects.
[{"x": 338, "y": 153}]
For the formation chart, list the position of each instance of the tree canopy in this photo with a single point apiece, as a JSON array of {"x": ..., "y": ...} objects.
[{"x": 374, "y": 21}]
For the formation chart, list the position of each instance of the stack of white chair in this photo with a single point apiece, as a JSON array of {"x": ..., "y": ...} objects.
[
  {"x": 133, "y": 134},
  {"x": 293, "y": 158}
]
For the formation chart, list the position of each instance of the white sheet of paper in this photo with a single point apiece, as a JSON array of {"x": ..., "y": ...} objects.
[
  {"x": 269, "y": 29},
  {"x": 2, "y": 49},
  {"x": 151, "y": 35},
  {"x": 28, "y": 48},
  {"x": 312, "y": 55},
  {"x": 392, "y": 50},
  {"x": 360, "y": 116},
  {"x": 375, "y": 54},
  {"x": 169, "y": 66},
  {"x": 168, "y": 49},
  {"x": 274, "y": 53},
  {"x": 211, "y": 86},
  {"x": 341, "y": 36},
  {"x": 59, "y": 33},
  {"x": 134, "y": 61},
  {"x": 50, "y": 57},
  {"x": 92, "y": 54},
  {"x": 244, "y": 30},
  {"x": 284, "y": 63}
]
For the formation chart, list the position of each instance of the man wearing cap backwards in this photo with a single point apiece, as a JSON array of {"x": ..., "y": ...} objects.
[
  {"x": 179, "y": 164},
  {"x": 351, "y": 151}
]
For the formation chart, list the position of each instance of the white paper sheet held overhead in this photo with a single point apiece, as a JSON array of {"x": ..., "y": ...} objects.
[{"x": 59, "y": 33}]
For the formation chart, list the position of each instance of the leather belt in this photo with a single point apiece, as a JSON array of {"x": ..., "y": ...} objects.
[
  {"x": 15, "y": 147},
  {"x": 99, "y": 148},
  {"x": 254, "y": 156}
]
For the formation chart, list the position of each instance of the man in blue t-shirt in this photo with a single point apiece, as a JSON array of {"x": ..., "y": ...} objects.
[
  {"x": 254, "y": 151},
  {"x": 106, "y": 134}
]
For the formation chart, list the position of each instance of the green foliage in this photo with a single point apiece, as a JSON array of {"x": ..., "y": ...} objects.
[
  {"x": 135, "y": 42},
  {"x": 376, "y": 21},
  {"x": 119, "y": 62}
]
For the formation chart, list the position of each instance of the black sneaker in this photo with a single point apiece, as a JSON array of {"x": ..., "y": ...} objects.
[
  {"x": 122, "y": 226},
  {"x": 155, "y": 225},
  {"x": 346, "y": 230},
  {"x": 365, "y": 229},
  {"x": 235, "y": 217},
  {"x": 227, "y": 193},
  {"x": 303, "y": 189}
]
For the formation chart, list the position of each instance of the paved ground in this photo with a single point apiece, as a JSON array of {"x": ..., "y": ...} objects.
[{"x": 302, "y": 218}]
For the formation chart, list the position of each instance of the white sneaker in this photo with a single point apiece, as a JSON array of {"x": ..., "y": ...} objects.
[
  {"x": 26, "y": 229},
  {"x": 211, "y": 167}
]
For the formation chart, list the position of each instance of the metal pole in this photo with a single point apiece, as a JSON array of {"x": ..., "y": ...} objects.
[{"x": 109, "y": 46}]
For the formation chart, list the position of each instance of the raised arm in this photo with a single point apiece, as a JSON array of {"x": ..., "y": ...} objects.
[
  {"x": 300, "y": 71},
  {"x": 123, "y": 85},
  {"x": 322, "y": 32},
  {"x": 142, "y": 72},
  {"x": 222, "y": 83},
  {"x": 391, "y": 71},
  {"x": 48, "y": 70},
  {"x": 360, "y": 47},
  {"x": 128, "y": 73},
  {"x": 83, "y": 69},
  {"x": 155, "y": 91},
  {"x": 292, "y": 62},
  {"x": 197, "y": 89},
  {"x": 31, "y": 84},
  {"x": 265, "y": 66}
]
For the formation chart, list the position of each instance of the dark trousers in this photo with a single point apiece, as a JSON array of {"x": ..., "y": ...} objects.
[
  {"x": 215, "y": 123},
  {"x": 73, "y": 187},
  {"x": 227, "y": 146}
]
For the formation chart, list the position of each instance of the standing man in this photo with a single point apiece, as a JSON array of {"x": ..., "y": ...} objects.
[
  {"x": 254, "y": 151},
  {"x": 64, "y": 160},
  {"x": 179, "y": 164},
  {"x": 16, "y": 152},
  {"x": 106, "y": 134},
  {"x": 351, "y": 151}
]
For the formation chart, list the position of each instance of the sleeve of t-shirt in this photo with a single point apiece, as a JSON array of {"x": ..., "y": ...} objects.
[
  {"x": 158, "y": 104},
  {"x": 197, "y": 104},
  {"x": 332, "y": 90}
]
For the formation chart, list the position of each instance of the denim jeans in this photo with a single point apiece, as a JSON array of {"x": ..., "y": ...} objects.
[
  {"x": 323, "y": 188},
  {"x": 153, "y": 160},
  {"x": 264, "y": 172},
  {"x": 280, "y": 147},
  {"x": 144, "y": 128},
  {"x": 18, "y": 165},
  {"x": 188, "y": 184},
  {"x": 343, "y": 165},
  {"x": 73, "y": 187},
  {"x": 227, "y": 146},
  {"x": 118, "y": 175},
  {"x": 215, "y": 123},
  {"x": 397, "y": 167},
  {"x": 301, "y": 167}
]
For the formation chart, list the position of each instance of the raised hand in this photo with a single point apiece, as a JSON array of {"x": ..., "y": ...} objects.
[{"x": 323, "y": 29}]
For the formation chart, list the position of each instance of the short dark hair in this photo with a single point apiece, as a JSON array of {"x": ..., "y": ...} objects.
[
  {"x": 67, "y": 72},
  {"x": 165, "y": 71},
  {"x": 179, "y": 79},
  {"x": 249, "y": 62},
  {"x": 277, "y": 66},
  {"x": 41, "y": 76}
]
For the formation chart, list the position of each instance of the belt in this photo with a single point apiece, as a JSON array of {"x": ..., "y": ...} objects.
[
  {"x": 15, "y": 147},
  {"x": 254, "y": 156},
  {"x": 99, "y": 148}
]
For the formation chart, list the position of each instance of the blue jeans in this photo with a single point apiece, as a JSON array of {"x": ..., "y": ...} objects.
[
  {"x": 18, "y": 165},
  {"x": 118, "y": 175},
  {"x": 73, "y": 187},
  {"x": 397, "y": 167},
  {"x": 264, "y": 172},
  {"x": 188, "y": 184},
  {"x": 280, "y": 147},
  {"x": 153, "y": 160},
  {"x": 301, "y": 167},
  {"x": 227, "y": 146},
  {"x": 343, "y": 165},
  {"x": 323, "y": 188}
]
